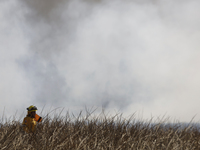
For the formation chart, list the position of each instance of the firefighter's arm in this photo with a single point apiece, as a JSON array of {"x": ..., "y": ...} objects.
[{"x": 24, "y": 124}]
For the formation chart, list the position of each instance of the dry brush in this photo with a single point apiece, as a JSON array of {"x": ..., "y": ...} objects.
[{"x": 100, "y": 132}]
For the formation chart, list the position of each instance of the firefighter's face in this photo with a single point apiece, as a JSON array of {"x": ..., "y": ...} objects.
[{"x": 33, "y": 114}]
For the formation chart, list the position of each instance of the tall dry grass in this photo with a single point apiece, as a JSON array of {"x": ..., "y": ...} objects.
[{"x": 99, "y": 132}]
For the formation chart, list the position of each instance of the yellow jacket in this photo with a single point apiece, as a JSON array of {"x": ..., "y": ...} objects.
[{"x": 29, "y": 124}]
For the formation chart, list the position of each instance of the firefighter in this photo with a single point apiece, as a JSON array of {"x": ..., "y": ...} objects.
[{"x": 30, "y": 121}]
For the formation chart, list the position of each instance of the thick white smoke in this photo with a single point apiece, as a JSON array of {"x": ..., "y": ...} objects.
[{"x": 127, "y": 56}]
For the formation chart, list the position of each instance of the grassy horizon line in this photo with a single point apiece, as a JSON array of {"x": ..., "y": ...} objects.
[{"x": 90, "y": 131}]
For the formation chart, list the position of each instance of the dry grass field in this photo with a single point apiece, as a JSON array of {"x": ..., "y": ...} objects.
[{"x": 100, "y": 132}]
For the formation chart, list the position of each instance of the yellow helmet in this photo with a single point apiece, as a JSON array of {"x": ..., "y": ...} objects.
[{"x": 32, "y": 108}]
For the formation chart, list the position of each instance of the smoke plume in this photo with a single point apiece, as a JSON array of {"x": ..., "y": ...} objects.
[{"x": 127, "y": 56}]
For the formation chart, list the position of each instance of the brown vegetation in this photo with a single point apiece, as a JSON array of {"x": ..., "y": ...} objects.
[{"x": 99, "y": 132}]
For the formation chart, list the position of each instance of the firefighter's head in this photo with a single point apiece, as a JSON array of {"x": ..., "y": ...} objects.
[{"x": 32, "y": 111}]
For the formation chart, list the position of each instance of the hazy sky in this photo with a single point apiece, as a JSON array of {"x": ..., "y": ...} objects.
[{"x": 123, "y": 55}]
